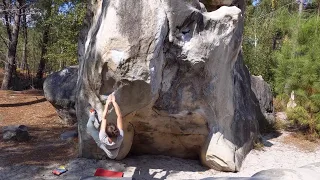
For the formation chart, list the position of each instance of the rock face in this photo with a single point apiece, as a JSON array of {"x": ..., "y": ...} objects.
[
  {"x": 264, "y": 95},
  {"x": 179, "y": 79},
  {"x": 60, "y": 90}
]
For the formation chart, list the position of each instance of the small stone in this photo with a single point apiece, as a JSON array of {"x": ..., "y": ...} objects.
[
  {"x": 18, "y": 133},
  {"x": 69, "y": 135}
]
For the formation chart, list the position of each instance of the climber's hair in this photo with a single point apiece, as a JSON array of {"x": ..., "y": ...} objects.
[{"x": 112, "y": 130}]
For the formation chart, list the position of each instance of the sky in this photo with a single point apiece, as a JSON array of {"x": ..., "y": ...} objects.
[
  {"x": 65, "y": 7},
  {"x": 255, "y": 2}
]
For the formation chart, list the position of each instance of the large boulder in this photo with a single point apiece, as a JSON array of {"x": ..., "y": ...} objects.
[
  {"x": 60, "y": 90},
  {"x": 264, "y": 95},
  {"x": 179, "y": 79}
]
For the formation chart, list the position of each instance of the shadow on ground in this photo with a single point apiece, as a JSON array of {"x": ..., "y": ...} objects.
[
  {"x": 266, "y": 137},
  {"x": 160, "y": 167},
  {"x": 24, "y": 103}
]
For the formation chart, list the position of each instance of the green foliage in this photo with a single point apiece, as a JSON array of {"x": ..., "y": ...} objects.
[
  {"x": 64, "y": 21},
  {"x": 299, "y": 61},
  {"x": 282, "y": 45},
  {"x": 264, "y": 29},
  {"x": 258, "y": 145},
  {"x": 298, "y": 116},
  {"x": 317, "y": 123},
  {"x": 65, "y": 28}
]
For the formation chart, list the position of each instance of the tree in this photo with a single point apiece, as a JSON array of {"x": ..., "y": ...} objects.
[
  {"x": 281, "y": 41},
  {"x": 62, "y": 50},
  {"x": 48, "y": 37},
  {"x": 47, "y": 9},
  {"x": 263, "y": 34},
  {"x": 24, "y": 63},
  {"x": 11, "y": 9},
  {"x": 61, "y": 25}
]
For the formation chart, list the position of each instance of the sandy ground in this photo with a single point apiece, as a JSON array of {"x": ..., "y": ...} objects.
[{"x": 37, "y": 158}]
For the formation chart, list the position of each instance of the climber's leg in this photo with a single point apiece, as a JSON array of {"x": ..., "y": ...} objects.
[{"x": 92, "y": 130}]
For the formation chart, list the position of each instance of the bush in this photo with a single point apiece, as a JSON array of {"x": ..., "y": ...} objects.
[
  {"x": 299, "y": 117},
  {"x": 280, "y": 102},
  {"x": 302, "y": 120},
  {"x": 317, "y": 123}
]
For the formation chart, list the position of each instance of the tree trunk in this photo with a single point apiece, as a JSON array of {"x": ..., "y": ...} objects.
[
  {"x": 24, "y": 63},
  {"x": 42, "y": 63},
  {"x": 10, "y": 64},
  {"x": 300, "y": 7},
  {"x": 318, "y": 8}
]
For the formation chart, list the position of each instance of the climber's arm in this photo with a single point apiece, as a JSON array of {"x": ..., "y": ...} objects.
[
  {"x": 104, "y": 116},
  {"x": 118, "y": 112}
]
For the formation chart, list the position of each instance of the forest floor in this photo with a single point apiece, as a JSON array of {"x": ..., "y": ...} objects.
[
  {"x": 36, "y": 158},
  {"x": 31, "y": 109}
]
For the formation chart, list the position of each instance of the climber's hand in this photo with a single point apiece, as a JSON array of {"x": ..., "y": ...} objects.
[{"x": 109, "y": 100}]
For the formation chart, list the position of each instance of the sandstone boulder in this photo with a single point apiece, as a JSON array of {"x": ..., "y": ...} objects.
[
  {"x": 60, "y": 90},
  {"x": 178, "y": 76},
  {"x": 264, "y": 95}
]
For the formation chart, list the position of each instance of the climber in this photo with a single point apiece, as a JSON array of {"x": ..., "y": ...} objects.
[{"x": 110, "y": 136}]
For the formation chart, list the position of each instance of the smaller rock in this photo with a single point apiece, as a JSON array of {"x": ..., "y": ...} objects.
[
  {"x": 291, "y": 103},
  {"x": 9, "y": 132},
  {"x": 16, "y": 132},
  {"x": 263, "y": 92},
  {"x": 69, "y": 135}
]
